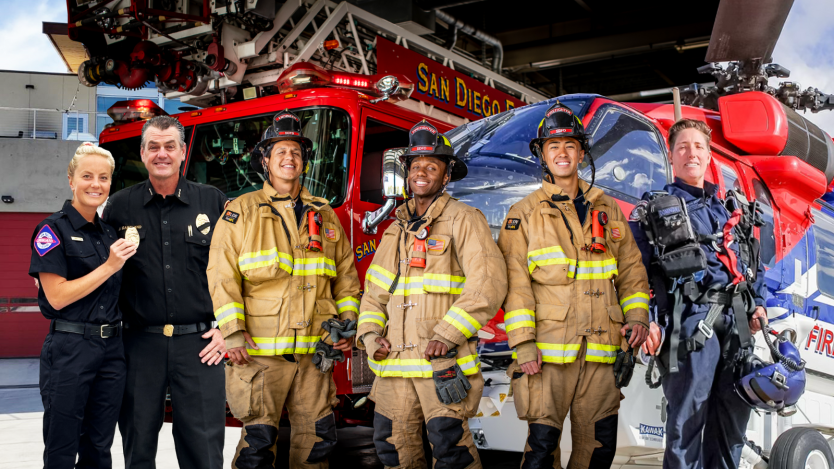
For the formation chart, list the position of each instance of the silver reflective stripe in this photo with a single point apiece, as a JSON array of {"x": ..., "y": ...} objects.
[
  {"x": 600, "y": 353},
  {"x": 271, "y": 346},
  {"x": 380, "y": 277},
  {"x": 228, "y": 313},
  {"x": 462, "y": 321},
  {"x": 519, "y": 318},
  {"x": 443, "y": 283},
  {"x": 391, "y": 368},
  {"x": 597, "y": 270},
  {"x": 347, "y": 302},
  {"x": 470, "y": 365},
  {"x": 634, "y": 301},
  {"x": 545, "y": 256},
  {"x": 265, "y": 258},
  {"x": 560, "y": 353},
  {"x": 410, "y": 283}
]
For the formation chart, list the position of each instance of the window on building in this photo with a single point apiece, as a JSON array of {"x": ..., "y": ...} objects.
[
  {"x": 221, "y": 152},
  {"x": 378, "y": 138},
  {"x": 75, "y": 127},
  {"x": 629, "y": 154},
  {"x": 767, "y": 235},
  {"x": 824, "y": 241}
]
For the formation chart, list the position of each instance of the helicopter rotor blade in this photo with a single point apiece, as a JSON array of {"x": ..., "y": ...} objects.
[{"x": 747, "y": 29}]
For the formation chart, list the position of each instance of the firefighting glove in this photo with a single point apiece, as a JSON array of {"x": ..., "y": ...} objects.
[
  {"x": 624, "y": 365},
  {"x": 338, "y": 329},
  {"x": 450, "y": 383},
  {"x": 325, "y": 355}
]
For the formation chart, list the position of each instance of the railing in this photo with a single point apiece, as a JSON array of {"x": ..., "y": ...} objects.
[{"x": 51, "y": 124}]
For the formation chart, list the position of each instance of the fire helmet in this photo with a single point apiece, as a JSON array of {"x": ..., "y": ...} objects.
[
  {"x": 559, "y": 121},
  {"x": 285, "y": 126},
  {"x": 425, "y": 140},
  {"x": 771, "y": 387}
]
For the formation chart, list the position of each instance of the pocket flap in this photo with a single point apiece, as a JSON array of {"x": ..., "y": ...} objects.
[
  {"x": 552, "y": 312},
  {"x": 262, "y": 306},
  {"x": 326, "y": 306},
  {"x": 199, "y": 239},
  {"x": 615, "y": 312},
  {"x": 436, "y": 245},
  {"x": 247, "y": 372}
]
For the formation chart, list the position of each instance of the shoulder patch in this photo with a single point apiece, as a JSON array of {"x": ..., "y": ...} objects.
[
  {"x": 46, "y": 240},
  {"x": 512, "y": 224},
  {"x": 638, "y": 210},
  {"x": 231, "y": 216}
]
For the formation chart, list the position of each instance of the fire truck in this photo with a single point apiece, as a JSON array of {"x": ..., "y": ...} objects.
[{"x": 240, "y": 62}]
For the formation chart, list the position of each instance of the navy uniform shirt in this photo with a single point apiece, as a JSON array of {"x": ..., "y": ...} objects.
[
  {"x": 165, "y": 281},
  {"x": 708, "y": 216},
  {"x": 67, "y": 245}
]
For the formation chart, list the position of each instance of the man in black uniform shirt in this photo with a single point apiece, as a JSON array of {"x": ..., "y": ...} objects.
[{"x": 168, "y": 314}]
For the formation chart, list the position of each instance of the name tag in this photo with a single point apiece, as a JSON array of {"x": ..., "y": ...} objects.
[{"x": 76, "y": 238}]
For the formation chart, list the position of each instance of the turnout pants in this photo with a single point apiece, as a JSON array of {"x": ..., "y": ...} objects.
[
  {"x": 257, "y": 394},
  {"x": 82, "y": 381},
  {"x": 587, "y": 390},
  {"x": 156, "y": 363},
  {"x": 706, "y": 419},
  {"x": 404, "y": 404}
]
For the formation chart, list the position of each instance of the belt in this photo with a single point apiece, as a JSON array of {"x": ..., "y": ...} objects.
[
  {"x": 105, "y": 331},
  {"x": 170, "y": 330}
]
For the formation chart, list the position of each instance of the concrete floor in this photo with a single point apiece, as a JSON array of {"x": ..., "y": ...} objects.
[{"x": 21, "y": 443}]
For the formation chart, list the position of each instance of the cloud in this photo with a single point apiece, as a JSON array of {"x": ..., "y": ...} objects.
[
  {"x": 806, "y": 48},
  {"x": 24, "y": 46}
]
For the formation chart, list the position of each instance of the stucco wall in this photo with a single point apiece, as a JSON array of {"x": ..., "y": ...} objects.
[{"x": 34, "y": 172}]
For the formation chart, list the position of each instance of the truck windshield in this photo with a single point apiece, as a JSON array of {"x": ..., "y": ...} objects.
[
  {"x": 221, "y": 152},
  {"x": 502, "y": 169}
]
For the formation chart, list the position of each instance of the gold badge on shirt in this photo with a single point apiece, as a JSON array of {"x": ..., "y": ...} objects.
[
  {"x": 132, "y": 235},
  {"x": 203, "y": 219}
]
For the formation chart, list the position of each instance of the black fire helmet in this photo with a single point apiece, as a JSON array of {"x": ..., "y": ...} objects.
[
  {"x": 425, "y": 140},
  {"x": 285, "y": 126}
]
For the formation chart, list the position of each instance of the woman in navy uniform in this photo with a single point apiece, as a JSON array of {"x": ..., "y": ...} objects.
[{"x": 77, "y": 260}]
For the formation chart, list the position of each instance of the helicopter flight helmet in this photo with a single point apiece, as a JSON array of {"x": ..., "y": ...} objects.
[
  {"x": 425, "y": 140},
  {"x": 560, "y": 121},
  {"x": 771, "y": 387},
  {"x": 285, "y": 126}
]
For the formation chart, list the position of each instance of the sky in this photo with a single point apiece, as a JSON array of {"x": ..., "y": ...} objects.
[{"x": 806, "y": 46}]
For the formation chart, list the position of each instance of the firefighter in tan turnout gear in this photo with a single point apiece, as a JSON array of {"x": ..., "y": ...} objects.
[
  {"x": 436, "y": 278},
  {"x": 281, "y": 276},
  {"x": 577, "y": 286}
]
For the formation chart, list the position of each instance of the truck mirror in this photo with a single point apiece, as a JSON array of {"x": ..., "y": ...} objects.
[
  {"x": 393, "y": 189},
  {"x": 393, "y": 174}
]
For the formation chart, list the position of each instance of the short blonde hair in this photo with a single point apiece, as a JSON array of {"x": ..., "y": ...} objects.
[{"x": 87, "y": 149}]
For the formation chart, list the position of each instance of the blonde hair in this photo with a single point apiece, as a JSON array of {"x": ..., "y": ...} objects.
[{"x": 87, "y": 149}]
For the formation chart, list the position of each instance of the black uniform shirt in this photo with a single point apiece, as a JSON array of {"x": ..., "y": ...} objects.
[
  {"x": 165, "y": 281},
  {"x": 67, "y": 245}
]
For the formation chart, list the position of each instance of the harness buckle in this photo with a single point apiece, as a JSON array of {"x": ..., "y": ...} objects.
[{"x": 705, "y": 329}]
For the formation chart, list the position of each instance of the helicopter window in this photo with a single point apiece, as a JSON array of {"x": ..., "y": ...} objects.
[
  {"x": 731, "y": 181},
  {"x": 629, "y": 154},
  {"x": 378, "y": 138},
  {"x": 129, "y": 167},
  {"x": 824, "y": 233},
  {"x": 221, "y": 152},
  {"x": 501, "y": 168},
  {"x": 767, "y": 235}
]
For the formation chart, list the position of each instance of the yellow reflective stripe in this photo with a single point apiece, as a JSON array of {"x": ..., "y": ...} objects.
[
  {"x": 462, "y": 321},
  {"x": 314, "y": 266},
  {"x": 547, "y": 256},
  {"x": 418, "y": 367},
  {"x": 229, "y": 312},
  {"x": 637, "y": 300},
  {"x": 348, "y": 303},
  {"x": 380, "y": 277},
  {"x": 557, "y": 353},
  {"x": 253, "y": 260},
  {"x": 519, "y": 318},
  {"x": 601, "y": 353},
  {"x": 306, "y": 344},
  {"x": 283, "y": 345},
  {"x": 590, "y": 270},
  {"x": 372, "y": 317},
  {"x": 409, "y": 286},
  {"x": 443, "y": 283}
]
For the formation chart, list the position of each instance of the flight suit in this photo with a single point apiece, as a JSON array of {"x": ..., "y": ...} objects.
[
  {"x": 264, "y": 281},
  {"x": 572, "y": 302},
  {"x": 706, "y": 420},
  {"x": 459, "y": 290}
]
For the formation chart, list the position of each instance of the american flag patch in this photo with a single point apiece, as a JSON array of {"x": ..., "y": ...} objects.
[
  {"x": 433, "y": 244},
  {"x": 615, "y": 233},
  {"x": 330, "y": 234}
]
